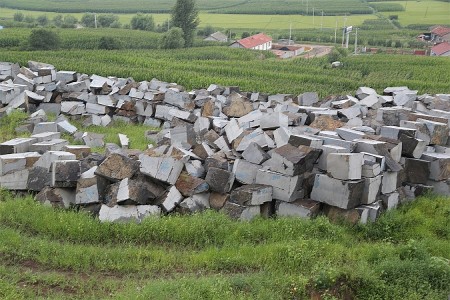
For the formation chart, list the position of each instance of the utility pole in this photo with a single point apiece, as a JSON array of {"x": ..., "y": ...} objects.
[
  {"x": 95, "y": 20},
  {"x": 314, "y": 23},
  {"x": 290, "y": 33},
  {"x": 168, "y": 24},
  {"x": 356, "y": 39},
  {"x": 321, "y": 22},
  {"x": 335, "y": 32},
  {"x": 348, "y": 30},
  {"x": 343, "y": 32}
]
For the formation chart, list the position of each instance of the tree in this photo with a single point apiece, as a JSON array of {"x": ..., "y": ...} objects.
[
  {"x": 173, "y": 39},
  {"x": 19, "y": 17},
  {"x": 105, "y": 20},
  {"x": 70, "y": 21},
  {"x": 143, "y": 22},
  {"x": 42, "y": 20},
  {"x": 245, "y": 34},
  {"x": 108, "y": 43},
  {"x": 43, "y": 39},
  {"x": 185, "y": 16},
  {"x": 88, "y": 20},
  {"x": 58, "y": 20}
]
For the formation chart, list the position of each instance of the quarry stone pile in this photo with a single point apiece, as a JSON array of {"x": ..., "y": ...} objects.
[{"x": 246, "y": 154}]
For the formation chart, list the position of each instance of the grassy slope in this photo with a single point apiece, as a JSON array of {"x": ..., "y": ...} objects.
[
  {"x": 422, "y": 12},
  {"x": 207, "y": 256}
]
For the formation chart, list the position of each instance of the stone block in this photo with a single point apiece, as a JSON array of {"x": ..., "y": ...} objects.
[
  {"x": 345, "y": 166},
  {"x": 88, "y": 187},
  {"x": 285, "y": 188},
  {"x": 38, "y": 179},
  {"x": 196, "y": 203},
  {"x": 165, "y": 169},
  {"x": 217, "y": 200},
  {"x": 49, "y": 157},
  {"x": 417, "y": 170},
  {"x": 219, "y": 180},
  {"x": 53, "y": 145},
  {"x": 128, "y": 213},
  {"x": 17, "y": 145},
  {"x": 326, "y": 150},
  {"x": 46, "y": 136},
  {"x": 371, "y": 189},
  {"x": 335, "y": 192},
  {"x": 390, "y": 201},
  {"x": 189, "y": 185},
  {"x": 93, "y": 140},
  {"x": 389, "y": 183},
  {"x": 171, "y": 199},
  {"x": 45, "y": 127},
  {"x": 438, "y": 132},
  {"x": 15, "y": 180},
  {"x": 439, "y": 165},
  {"x": 244, "y": 171},
  {"x": 292, "y": 161},
  {"x": 57, "y": 197},
  {"x": 80, "y": 151},
  {"x": 274, "y": 120},
  {"x": 253, "y": 194},
  {"x": 65, "y": 173},
  {"x": 305, "y": 140},
  {"x": 17, "y": 162},
  {"x": 117, "y": 167},
  {"x": 301, "y": 208},
  {"x": 255, "y": 154}
]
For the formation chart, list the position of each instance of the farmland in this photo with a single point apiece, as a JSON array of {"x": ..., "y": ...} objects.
[{"x": 199, "y": 67}]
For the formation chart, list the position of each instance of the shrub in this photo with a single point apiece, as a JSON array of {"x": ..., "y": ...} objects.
[
  {"x": 42, "y": 39},
  {"x": 109, "y": 43},
  {"x": 173, "y": 39},
  {"x": 19, "y": 17},
  {"x": 143, "y": 22}
]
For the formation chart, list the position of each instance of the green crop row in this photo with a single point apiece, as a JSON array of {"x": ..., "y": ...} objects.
[{"x": 251, "y": 70}]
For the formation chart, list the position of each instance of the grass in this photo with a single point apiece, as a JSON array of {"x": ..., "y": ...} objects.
[
  {"x": 422, "y": 12},
  {"x": 208, "y": 256}
]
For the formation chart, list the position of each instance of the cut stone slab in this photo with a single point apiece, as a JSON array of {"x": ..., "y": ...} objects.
[
  {"x": 165, "y": 169},
  {"x": 65, "y": 127},
  {"x": 285, "y": 188},
  {"x": 438, "y": 132},
  {"x": 117, "y": 167},
  {"x": 65, "y": 173},
  {"x": 255, "y": 154},
  {"x": 172, "y": 198},
  {"x": 308, "y": 98},
  {"x": 179, "y": 99},
  {"x": 128, "y": 213},
  {"x": 304, "y": 140},
  {"x": 88, "y": 187},
  {"x": 18, "y": 145},
  {"x": 93, "y": 139},
  {"x": 244, "y": 171},
  {"x": 56, "y": 197},
  {"x": 301, "y": 208},
  {"x": 326, "y": 150},
  {"x": 292, "y": 161},
  {"x": 16, "y": 180},
  {"x": 417, "y": 170},
  {"x": 389, "y": 182},
  {"x": 390, "y": 201},
  {"x": 17, "y": 162},
  {"x": 274, "y": 121},
  {"x": 345, "y": 166},
  {"x": 439, "y": 165},
  {"x": 239, "y": 212},
  {"x": 335, "y": 192},
  {"x": 183, "y": 136},
  {"x": 196, "y": 203},
  {"x": 38, "y": 178},
  {"x": 132, "y": 191},
  {"x": 80, "y": 151},
  {"x": 45, "y": 127},
  {"x": 46, "y": 136},
  {"x": 49, "y": 157},
  {"x": 53, "y": 145},
  {"x": 253, "y": 194},
  {"x": 349, "y": 134},
  {"x": 219, "y": 180},
  {"x": 371, "y": 189},
  {"x": 189, "y": 185},
  {"x": 124, "y": 141}
]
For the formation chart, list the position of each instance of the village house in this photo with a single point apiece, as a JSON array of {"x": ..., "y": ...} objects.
[
  {"x": 258, "y": 41},
  {"x": 217, "y": 37},
  {"x": 442, "y": 49},
  {"x": 440, "y": 34},
  {"x": 286, "y": 51}
]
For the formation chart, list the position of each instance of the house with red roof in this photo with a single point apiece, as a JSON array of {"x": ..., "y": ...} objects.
[
  {"x": 442, "y": 49},
  {"x": 440, "y": 34},
  {"x": 258, "y": 41}
]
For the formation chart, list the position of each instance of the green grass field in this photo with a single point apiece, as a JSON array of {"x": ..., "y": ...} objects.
[
  {"x": 422, "y": 12},
  {"x": 68, "y": 255}
]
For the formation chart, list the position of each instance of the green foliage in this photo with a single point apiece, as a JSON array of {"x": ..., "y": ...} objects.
[
  {"x": 43, "y": 39},
  {"x": 245, "y": 34},
  {"x": 173, "y": 39},
  {"x": 29, "y": 19},
  {"x": 382, "y": 7},
  {"x": 19, "y": 17},
  {"x": 42, "y": 20},
  {"x": 206, "y": 31},
  {"x": 88, "y": 20},
  {"x": 143, "y": 22},
  {"x": 185, "y": 16},
  {"x": 9, "y": 123},
  {"x": 108, "y": 43},
  {"x": 106, "y": 20}
]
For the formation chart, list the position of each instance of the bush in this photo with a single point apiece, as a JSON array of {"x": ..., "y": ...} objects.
[
  {"x": 42, "y": 39},
  {"x": 143, "y": 22},
  {"x": 106, "y": 20},
  {"x": 42, "y": 20},
  {"x": 108, "y": 43},
  {"x": 19, "y": 17},
  {"x": 173, "y": 39},
  {"x": 245, "y": 34}
]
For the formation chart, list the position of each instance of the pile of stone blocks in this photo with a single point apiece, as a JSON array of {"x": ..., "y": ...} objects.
[{"x": 246, "y": 154}]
